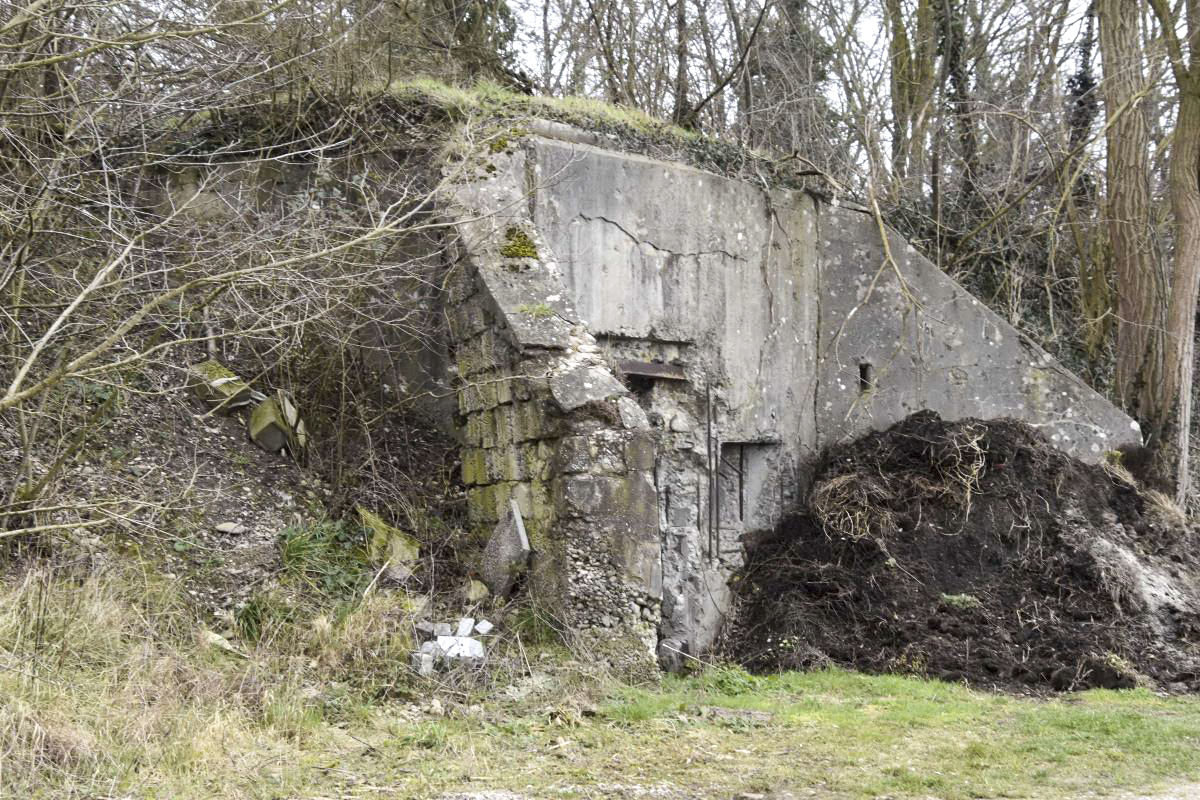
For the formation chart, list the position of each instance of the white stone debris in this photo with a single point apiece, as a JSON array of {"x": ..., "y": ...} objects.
[
  {"x": 441, "y": 650},
  {"x": 423, "y": 663},
  {"x": 461, "y": 650}
]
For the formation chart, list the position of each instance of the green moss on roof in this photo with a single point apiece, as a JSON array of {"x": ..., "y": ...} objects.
[
  {"x": 421, "y": 112},
  {"x": 494, "y": 100}
]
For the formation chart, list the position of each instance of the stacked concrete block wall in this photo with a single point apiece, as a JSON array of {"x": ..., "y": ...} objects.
[{"x": 544, "y": 420}]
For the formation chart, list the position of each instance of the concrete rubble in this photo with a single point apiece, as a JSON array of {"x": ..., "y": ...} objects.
[
  {"x": 477, "y": 591},
  {"x": 275, "y": 425},
  {"x": 388, "y": 546},
  {"x": 442, "y": 650},
  {"x": 507, "y": 552},
  {"x": 220, "y": 387}
]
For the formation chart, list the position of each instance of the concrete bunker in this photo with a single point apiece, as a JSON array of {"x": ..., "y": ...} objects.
[
  {"x": 641, "y": 357},
  {"x": 648, "y": 377}
]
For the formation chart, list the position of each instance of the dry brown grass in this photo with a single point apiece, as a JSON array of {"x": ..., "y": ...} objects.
[
  {"x": 109, "y": 683},
  {"x": 854, "y": 507}
]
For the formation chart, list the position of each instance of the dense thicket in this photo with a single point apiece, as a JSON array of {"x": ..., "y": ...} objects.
[
  {"x": 129, "y": 239},
  {"x": 1044, "y": 152}
]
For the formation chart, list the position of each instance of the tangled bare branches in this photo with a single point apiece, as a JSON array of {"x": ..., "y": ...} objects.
[{"x": 173, "y": 180}]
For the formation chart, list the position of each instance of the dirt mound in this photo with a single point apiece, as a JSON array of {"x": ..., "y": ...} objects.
[{"x": 974, "y": 550}]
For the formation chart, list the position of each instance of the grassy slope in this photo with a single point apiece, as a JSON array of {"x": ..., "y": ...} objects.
[{"x": 107, "y": 689}]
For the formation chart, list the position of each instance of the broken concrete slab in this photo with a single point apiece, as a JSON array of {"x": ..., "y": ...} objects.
[
  {"x": 219, "y": 386},
  {"x": 633, "y": 417},
  {"x": 507, "y": 552},
  {"x": 584, "y": 384},
  {"x": 275, "y": 424},
  {"x": 483, "y": 627},
  {"x": 389, "y": 545},
  {"x": 465, "y": 626},
  {"x": 532, "y": 308},
  {"x": 477, "y": 591},
  {"x": 423, "y": 664},
  {"x": 297, "y": 432},
  {"x": 461, "y": 649},
  {"x": 267, "y": 428}
]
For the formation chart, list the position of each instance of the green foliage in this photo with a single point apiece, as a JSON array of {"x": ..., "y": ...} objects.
[
  {"x": 537, "y": 310},
  {"x": 728, "y": 680},
  {"x": 536, "y": 626},
  {"x": 94, "y": 393},
  {"x": 962, "y": 602},
  {"x": 426, "y": 736},
  {"x": 328, "y": 555},
  {"x": 183, "y": 544},
  {"x": 263, "y": 613},
  {"x": 487, "y": 98}
]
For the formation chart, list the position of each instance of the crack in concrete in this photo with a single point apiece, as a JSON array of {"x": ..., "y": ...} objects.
[
  {"x": 659, "y": 248},
  {"x": 764, "y": 263}
]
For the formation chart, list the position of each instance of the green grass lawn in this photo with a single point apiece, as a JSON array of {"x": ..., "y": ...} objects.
[
  {"x": 839, "y": 733},
  {"x": 832, "y": 734}
]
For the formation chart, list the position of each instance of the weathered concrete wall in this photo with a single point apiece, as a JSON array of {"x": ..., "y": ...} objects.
[
  {"x": 673, "y": 265},
  {"x": 899, "y": 336}
]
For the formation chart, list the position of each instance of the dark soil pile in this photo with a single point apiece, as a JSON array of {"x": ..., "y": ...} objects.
[{"x": 975, "y": 550}]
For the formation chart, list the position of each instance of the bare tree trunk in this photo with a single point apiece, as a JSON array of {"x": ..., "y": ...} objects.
[
  {"x": 612, "y": 82},
  {"x": 682, "y": 111},
  {"x": 953, "y": 37},
  {"x": 745, "y": 92},
  {"x": 1176, "y": 402},
  {"x": 1079, "y": 198},
  {"x": 1181, "y": 318},
  {"x": 912, "y": 90},
  {"x": 1140, "y": 354}
]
